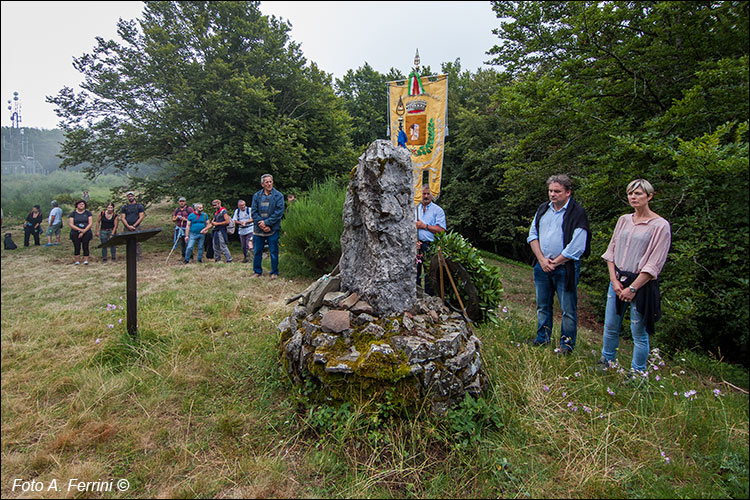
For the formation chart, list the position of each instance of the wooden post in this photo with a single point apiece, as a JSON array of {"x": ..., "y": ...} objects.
[{"x": 131, "y": 240}]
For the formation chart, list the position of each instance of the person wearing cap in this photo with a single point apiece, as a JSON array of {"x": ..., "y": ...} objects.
[
  {"x": 180, "y": 218},
  {"x": 131, "y": 216}
]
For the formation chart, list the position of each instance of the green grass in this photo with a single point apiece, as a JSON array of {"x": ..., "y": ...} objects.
[{"x": 197, "y": 406}]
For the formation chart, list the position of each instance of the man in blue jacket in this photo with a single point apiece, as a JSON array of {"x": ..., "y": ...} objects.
[{"x": 267, "y": 208}]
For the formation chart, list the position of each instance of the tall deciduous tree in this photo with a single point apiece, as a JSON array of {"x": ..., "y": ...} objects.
[
  {"x": 365, "y": 97},
  {"x": 214, "y": 92}
]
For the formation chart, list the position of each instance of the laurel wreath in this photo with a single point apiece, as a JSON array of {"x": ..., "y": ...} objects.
[{"x": 430, "y": 144}]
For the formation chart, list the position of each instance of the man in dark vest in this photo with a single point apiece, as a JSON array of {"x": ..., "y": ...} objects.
[{"x": 559, "y": 237}]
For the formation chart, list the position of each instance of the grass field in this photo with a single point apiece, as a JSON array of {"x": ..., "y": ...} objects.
[{"x": 198, "y": 407}]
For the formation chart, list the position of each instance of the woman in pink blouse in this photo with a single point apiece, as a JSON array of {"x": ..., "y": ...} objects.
[{"x": 635, "y": 257}]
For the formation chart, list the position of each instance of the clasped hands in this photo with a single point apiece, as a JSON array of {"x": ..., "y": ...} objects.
[{"x": 549, "y": 265}]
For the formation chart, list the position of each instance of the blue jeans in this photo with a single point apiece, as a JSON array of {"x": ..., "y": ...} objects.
[
  {"x": 259, "y": 243},
  {"x": 546, "y": 286},
  {"x": 195, "y": 239},
  {"x": 612, "y": 326},
  {"x": 104, "y": 236},
  {"x": 179, "y": 235}
]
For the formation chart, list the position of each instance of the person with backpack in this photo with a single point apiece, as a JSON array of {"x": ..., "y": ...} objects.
[
  {"x": 220, "y": 238},
  {"x": 106, "y": 227},
  {"x": 32, "y": 225},
  {"x": 197, "y": 226},
  {"x": 179, "y": 217},
  {"x": 243, "y": 220}
]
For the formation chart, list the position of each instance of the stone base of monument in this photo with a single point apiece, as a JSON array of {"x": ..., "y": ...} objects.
[{"x": 425, "y": 357}]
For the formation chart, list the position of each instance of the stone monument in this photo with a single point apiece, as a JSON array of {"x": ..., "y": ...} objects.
[{"x": 362, "y": 331}]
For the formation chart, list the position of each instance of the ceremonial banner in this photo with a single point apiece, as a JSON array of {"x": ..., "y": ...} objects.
[{"x": 417, "y": 110}]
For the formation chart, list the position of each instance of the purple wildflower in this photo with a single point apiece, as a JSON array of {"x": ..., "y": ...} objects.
[{"x": 610, "y": 391}]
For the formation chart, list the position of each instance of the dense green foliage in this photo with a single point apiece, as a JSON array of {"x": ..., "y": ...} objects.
[
  {"x": 214, "y": 91},
  {"x": 313, "y": 225},
  {"x": 365, "y": 96},
  {"x": 608, "y": 92}
]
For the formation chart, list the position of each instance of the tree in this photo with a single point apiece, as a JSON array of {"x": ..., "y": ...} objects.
[
  {"x": 365, "y": 96},
  {"x": 612, "y": 91},
  {"x": 214, "y": 92}
]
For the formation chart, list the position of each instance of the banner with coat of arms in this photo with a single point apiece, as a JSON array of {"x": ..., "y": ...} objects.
[{"x": 417, "y": 111}]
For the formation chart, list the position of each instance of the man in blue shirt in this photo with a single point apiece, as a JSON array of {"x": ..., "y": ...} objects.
[
  {"x": 430, "y": 221},
  {"x": 267, "y": 208},
  {"x": 559, "y": 236}
]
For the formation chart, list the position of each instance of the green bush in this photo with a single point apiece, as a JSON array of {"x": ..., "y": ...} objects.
[{"x": 313, "y": 226}]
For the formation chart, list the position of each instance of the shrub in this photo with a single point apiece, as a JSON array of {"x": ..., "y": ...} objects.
[{"x": 313, "y": 226}]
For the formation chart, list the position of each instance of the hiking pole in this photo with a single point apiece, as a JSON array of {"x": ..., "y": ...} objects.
[{"x": 180, "y": 234}]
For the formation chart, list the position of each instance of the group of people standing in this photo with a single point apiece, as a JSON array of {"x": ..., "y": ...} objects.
[
  {"x": 257, "y": 226},
  {"x": 560, "y": 237}
]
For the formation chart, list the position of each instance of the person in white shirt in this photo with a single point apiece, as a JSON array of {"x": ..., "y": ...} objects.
[{"x": 243, "y": 219}]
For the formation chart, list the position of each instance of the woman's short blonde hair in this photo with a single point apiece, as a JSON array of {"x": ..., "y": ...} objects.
[{"x": 643, "y": 184}]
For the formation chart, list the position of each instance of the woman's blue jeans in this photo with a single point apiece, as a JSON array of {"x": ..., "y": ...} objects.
[
  {"x": 193, "y": 240},
  {"x": 546, "y": 286},
  {"x": 612, "y": 326},
  {"x": 104, "y": 236},
  {"x": 259, "y": 243}
]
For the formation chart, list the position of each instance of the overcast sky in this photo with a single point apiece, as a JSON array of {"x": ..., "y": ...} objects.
[{"x": 40, "y": 40}]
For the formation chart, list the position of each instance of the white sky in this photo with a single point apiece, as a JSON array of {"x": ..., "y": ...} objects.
[{"x": 40, "y": 40}]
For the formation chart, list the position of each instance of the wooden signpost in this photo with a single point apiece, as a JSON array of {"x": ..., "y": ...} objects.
[{"x": 130, "y": 240}]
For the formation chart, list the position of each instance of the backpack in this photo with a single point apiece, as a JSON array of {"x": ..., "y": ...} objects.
[
  {"x": 8, "y": 243},
  {"x": 231, "y": 227}
]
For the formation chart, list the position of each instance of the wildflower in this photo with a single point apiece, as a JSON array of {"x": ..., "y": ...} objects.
[
  {"x": 575, "y": 408},
  {"x": 557, "y": 349},
  {"x": 119, "y": 320},
  {"x": 97, "y": 341},
  {"x": 665, "y": 457},
  {"x": 717, "y": 393},
  {"x": 586, "y": 409},
  {"x": 505, "y": 309},
  {"x": 546, "y": 388},
  {"x": 610, "y": 391},
  {"x": 655, "y": 367},
  {"x": 570, "y": 403},
  {"x": 565, "y": 394},
  {"x": 577, "y": 374},
  {"x": 111, "y": 307},
  {"x": 691, "y": 393},
  {"x": 110, "y": 326},
  {"x": 682, "y": 372},
  {"x": 658, "y": 378},
  {"x": 675, "y": 393},
  {"x": 601, "y": 415},
  {"x": 518, "y": 344}
]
